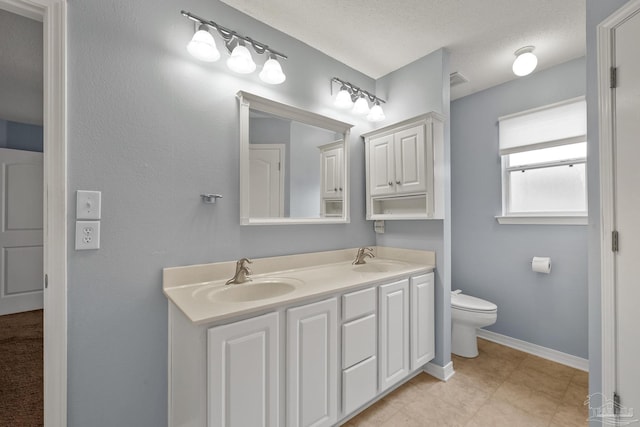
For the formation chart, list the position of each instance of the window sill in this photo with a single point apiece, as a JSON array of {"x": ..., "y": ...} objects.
[{"x": 544, "y": 220}]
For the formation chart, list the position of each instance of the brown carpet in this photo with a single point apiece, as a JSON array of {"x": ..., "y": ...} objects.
[{"x": 21, "y": 370}]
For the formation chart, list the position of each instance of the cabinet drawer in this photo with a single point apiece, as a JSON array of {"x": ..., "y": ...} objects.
[
  {"x": 359, "y": 303},
  {"x": 359, "y": 384},
  {"x": 358, "y": 340}
]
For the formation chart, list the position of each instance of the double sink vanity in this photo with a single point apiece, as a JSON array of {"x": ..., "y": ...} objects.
[{"x": 302, "y": 340}]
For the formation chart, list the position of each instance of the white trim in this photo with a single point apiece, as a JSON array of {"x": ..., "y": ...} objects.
[
  {"x": 543, "y": 220},
  {"x": 443, "y": 373},
  {"x": 607, "y": 187},
  {"x": 536, "y": 350},
  {"x": 53, "y": 14},
  {"x": 246, "y": 101}
]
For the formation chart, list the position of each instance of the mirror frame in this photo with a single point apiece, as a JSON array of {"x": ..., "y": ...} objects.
[{"x": 250, "y": 101}]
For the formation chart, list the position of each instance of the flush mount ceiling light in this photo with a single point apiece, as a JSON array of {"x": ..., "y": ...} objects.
[
  {"x": 202, "y": 46},
  {"x": 525, "y": 61},
  {"x": 351, "y": 95}
]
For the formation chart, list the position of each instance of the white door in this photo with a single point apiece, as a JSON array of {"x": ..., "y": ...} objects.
[
  {"x": 243, "y": 373},
  {"x": 393, "y": 354},
  {"x": 422, "y": 320},
  {"x": 627, "y": 209},
  {"x": 332, "y": 173},
  {"x": 21, "y": 257},
  {"x": 381, "y": 165},
  {"x": 312, "y": 364},
  {"x": 266, "y": 165},
  {"x": 410, "y": 176}
]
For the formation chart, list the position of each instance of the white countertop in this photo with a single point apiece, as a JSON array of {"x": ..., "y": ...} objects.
[{"x": 193, "y": 288}]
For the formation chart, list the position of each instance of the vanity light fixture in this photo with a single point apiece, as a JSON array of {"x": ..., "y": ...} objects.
[
  {"x": 351, "y": 95},
  {"x": 203, "y": 47},
  {"x": 525, "y": 61}
]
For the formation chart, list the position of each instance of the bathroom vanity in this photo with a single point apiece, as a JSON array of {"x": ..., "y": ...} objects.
[{"x": 311, "y": 340}]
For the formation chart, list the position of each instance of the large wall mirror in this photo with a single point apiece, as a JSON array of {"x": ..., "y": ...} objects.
[{"x": 294, "y": 165}]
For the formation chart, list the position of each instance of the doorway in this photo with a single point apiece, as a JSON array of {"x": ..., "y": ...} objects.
[
  {"x": 53, "y": 15},
  {"x": 619, "y": 90}
]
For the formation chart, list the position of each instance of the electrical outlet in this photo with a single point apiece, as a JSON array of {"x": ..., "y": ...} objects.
[
  {"x": 88, "y": 204},
  {"x": 87, "y": 235}
]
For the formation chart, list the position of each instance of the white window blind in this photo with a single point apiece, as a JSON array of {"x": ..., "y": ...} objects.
[{"x": 548, "y": 126}]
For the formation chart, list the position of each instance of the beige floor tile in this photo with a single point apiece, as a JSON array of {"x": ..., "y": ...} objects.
[
  {"x": 424, "y": 381},
  {"x": 460, "y": 392},
  {"x": 377, "y": 414},
  {"x": 581, "y": 378},
  {"x": 576, "y": 395},
  {"x": 554, "y": 386},
  {"x": 548, "y": 367},
  {"x": 401, "y": 419},
  {"x": 501, "y": 351},
  {"x": 497, "y": 413},
  {"x": 570, "y": 416},
  {"x": 436, "y": 412},
  {"x": 527, "y": 399}
]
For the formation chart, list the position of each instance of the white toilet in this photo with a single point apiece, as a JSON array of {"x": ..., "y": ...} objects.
[{"x": 468, "y": 314}]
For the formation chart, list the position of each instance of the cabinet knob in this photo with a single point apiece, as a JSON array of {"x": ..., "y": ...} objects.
[
  {"x": 340, "y": 188},
  {"x": 390, "y": 183},
  {"x": 335, "y": 189},
  {"x": 398, "y": 182}
]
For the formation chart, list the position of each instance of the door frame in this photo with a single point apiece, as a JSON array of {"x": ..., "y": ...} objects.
[
  {"x": 606, "y": 119},
  {"x": 53, "y": 15}
]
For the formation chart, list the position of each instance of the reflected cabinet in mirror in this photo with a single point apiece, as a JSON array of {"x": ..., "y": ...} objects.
[{"x": 293, "y": 165}]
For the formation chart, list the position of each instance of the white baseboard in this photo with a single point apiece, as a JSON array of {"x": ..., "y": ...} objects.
[
  {"x": 536, "y": 350},
  {"x": 443, "y": 373}
]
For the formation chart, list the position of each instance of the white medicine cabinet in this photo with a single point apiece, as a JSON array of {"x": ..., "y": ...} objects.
[{"x": 404, "y": 169}]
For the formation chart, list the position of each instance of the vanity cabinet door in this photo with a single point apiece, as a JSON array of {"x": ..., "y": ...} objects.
[
  {"x": 409, "y": 148},
  {"x": 243, "y": 373},
  {"x": 393, "y": 354},
  {"x": 312, "y": 364},
  {"x": 422, "y": 320},
  {"x": 381, "y": 166}
]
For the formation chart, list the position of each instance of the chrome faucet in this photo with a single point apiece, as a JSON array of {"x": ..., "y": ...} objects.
[
  {"x": 362, "y": 254},
  {"x": 242, "y": 272}
]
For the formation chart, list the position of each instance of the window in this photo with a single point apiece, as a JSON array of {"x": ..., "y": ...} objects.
[{"x": 544, "y": 155}]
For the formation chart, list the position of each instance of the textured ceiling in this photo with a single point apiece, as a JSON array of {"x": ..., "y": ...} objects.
[{"x": 377, "y": 37}]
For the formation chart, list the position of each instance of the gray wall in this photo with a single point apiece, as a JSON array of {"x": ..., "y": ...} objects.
[
  {"x": 492, "y": 261},
  {"x": 152, "y": 128},
  {"x": 597, "y": 11},
  {"x": 21, "y": 136},
  {"x": 21, "y": 70},
  {"x": 414, "y": 89}
]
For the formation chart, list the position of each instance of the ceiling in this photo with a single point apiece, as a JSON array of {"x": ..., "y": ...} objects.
[{"x": 377, "y": 37}]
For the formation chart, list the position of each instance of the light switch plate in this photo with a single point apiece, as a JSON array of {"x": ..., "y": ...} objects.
[
  {"x": 88, "y": 204},
  {"x": 87, "y": 235}
]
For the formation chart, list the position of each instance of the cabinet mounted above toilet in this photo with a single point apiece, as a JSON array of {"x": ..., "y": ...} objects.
[{"x": 404, "y": 169}]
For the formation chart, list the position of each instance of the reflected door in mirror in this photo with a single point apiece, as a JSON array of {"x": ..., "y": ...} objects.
[{"x": 267, "y": 180}]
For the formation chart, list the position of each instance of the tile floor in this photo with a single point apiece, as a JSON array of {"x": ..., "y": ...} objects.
[{"x": 501, "y": 387}]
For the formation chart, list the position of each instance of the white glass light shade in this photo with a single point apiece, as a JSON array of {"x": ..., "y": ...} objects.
[
  {"x": 343, "y": 99},
  {"x": 202, "y": 46},
  {"x": 272, "y": 72},
  {"x": 361, "y": 106},
  {"x": 376, "y": 114},
  {"x": 240, "y": 60},
  {"x": 524, "y": 63}
]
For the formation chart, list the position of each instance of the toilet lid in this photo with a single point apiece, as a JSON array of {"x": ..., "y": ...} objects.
[{"x": 469, "y": 303}]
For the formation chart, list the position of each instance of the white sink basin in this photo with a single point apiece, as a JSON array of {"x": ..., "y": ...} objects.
[
  {"x": 379, "y": 266},
  {"x": 256, "y": 289}
]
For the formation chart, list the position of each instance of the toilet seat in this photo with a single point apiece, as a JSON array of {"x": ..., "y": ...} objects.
[{"x": 468, "y": 303}]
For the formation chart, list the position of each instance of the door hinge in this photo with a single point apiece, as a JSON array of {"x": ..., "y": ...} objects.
[
  {"x": 614, "y": 77},
  {"x": 616, "y": 404},
  {"x": 46, "y": 281},
  {"x": 614, "y": 241}
]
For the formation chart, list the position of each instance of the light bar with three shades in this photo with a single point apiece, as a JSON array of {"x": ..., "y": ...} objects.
[
  {"x": 203, "y": 47},
  {"x": 351, "y": 96}
]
